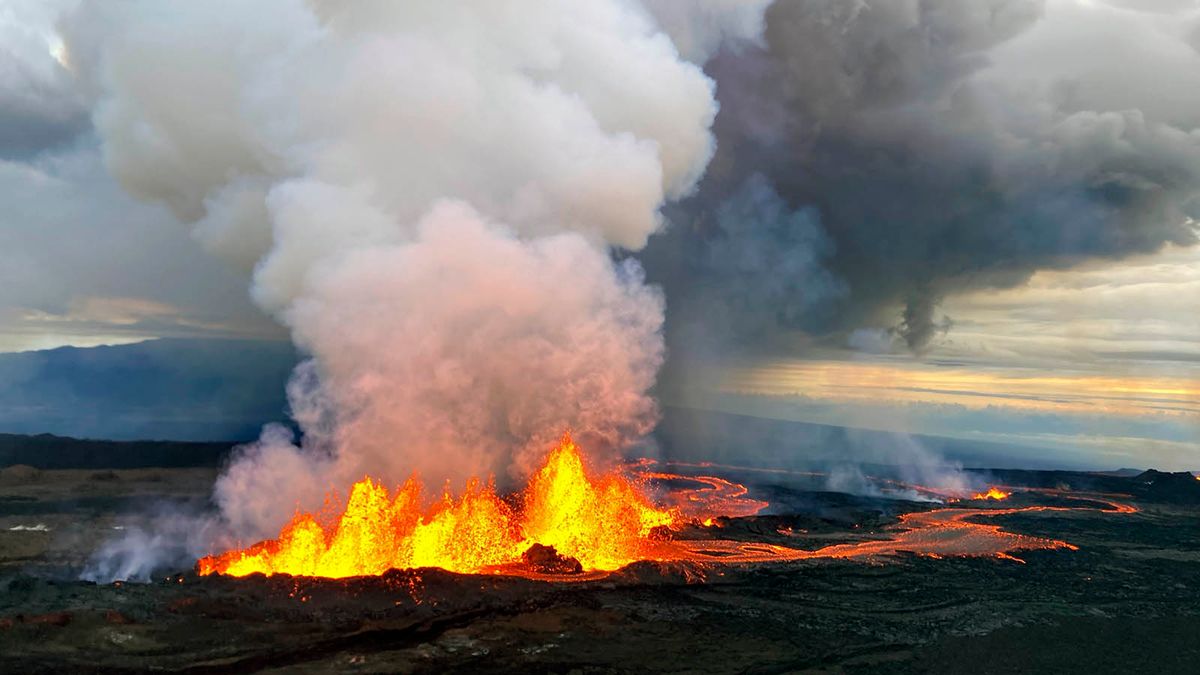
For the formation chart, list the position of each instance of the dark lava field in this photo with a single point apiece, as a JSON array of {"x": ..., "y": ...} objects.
[{"x": 1127, "y": 600}]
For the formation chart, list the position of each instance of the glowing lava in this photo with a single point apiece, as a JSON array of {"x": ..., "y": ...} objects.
[
  {"x": 992, "y": 493},
  {"x": 603, "y": 522},
  {"x": 703, "y": 498}
]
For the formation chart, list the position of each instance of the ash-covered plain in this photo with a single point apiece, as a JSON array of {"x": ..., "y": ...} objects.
[{"x": 1124, "y": 595}]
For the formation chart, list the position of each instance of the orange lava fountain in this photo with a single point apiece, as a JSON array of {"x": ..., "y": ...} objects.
[
  {"x": 992, "y": 493},
  {"x": 604, "y": 522}
]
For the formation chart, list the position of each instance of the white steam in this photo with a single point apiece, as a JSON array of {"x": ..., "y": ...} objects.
[
  {"x": 700, "y": 29},
  {"x": 501, "y": 344},
  {"x": 425, "y": 193},
  {"x": 914, "y": 464}
]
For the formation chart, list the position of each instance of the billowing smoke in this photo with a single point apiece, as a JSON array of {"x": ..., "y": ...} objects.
[
  {"x": 701, "y": 28},
  {"x": 500, "y": 346},
  {"x": 940, "y": 146},
  {"x": 431, "y": 194},
  {"x": 744, "y": 267},
  {"x": 426, "y": 193}
]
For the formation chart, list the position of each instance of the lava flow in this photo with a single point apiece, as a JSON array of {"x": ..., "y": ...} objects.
[
  {"x": 703, "y": 498},
  {"x": 567, "y": 521},
  {"x": 602, "y": 522},
  {"x": 939, "y": 533}
]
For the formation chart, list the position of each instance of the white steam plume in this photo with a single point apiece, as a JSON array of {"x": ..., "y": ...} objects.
[
  {"x": 700, "y": 28},
  {"x": 426, "y": 193}
]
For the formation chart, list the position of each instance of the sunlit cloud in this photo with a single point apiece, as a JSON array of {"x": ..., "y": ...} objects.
[
  {"x": 93, "y": 321},
  {"x": 1100, "y": 364},
  {"x": 854, "y": 382}
]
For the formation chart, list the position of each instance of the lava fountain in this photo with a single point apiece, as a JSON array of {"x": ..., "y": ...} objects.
[
  {"x": 569, "y": 520},
  {"x": 993, "y": 493},
  {"x": 604, "y": 522}
]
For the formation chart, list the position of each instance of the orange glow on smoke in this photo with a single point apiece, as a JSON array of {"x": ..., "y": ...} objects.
[
  {"x": 604, "y": 522},
  {"x": 992, "y": 493}
]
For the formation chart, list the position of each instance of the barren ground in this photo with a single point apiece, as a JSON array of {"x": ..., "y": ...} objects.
[{"x": 1127, "y": 601}]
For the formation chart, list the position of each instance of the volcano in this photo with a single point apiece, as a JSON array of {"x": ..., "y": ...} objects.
[
  {"x": 993, "y": 493},
  {"x": 603, "y": 522},
  {"x": 572, "y": 522},
  {"x": 766, "y": 565}
]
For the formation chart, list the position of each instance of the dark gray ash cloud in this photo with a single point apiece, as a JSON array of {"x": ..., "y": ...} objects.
[
  {"x": 743, "y": 267},
  {"x": 937, "y": 146}
]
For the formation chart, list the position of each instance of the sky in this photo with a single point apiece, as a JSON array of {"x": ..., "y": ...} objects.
[
  {"x": 1099, "y": 365},
  {"x": 81, "y": 261},
  {"x": 975, "y": 220}
]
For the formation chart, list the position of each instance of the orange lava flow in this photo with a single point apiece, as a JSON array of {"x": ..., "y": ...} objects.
[
  {"x": 604, "y": 522},
  {"x": 940, "y": 533},
  {"x": 992, "y": 493},
  {"x": 705, "y": 498}
]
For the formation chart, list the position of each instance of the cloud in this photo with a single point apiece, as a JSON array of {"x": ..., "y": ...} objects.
[
  {"x": 80, "y": 259},
  {"x": 430, "y": 196},
  {"x": 1135, "y": 317},
  {"x": 754, "y": 264},
  {"x": 1033, "y": 433},
  {"x": 945, "y": 146},
  {"x": 700, "y": 29},
  {"x": 40, "y": 107}
]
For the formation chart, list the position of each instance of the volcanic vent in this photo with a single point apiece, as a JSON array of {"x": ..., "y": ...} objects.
[
  {"x": 602, "y": 522},
  {"x": 572, "y": 523}
]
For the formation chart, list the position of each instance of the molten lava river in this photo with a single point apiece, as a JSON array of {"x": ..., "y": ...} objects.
[{"x": 569, "y": 521}]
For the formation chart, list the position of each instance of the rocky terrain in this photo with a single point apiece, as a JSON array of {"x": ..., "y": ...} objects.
[{"x": 1128, "y": 600}]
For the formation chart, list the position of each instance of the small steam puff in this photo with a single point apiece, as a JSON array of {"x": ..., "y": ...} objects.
[
  {"x": 171, "y": 540},
  {"x": 425, "y": 193},
  {"x": 911, "y": 462}
]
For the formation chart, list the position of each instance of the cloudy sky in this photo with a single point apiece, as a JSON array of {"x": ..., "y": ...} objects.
[
  {"x": 972, "y": 219},
  {"x": 1100, "y": 365},
  {"x": 81, "y": 262}
]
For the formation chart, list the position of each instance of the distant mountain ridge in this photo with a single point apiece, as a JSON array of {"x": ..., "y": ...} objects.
[
  {"x": 221, "y": 392},
  {"x": 47, "y": 451},
  {"x": 178, "y": 389}
]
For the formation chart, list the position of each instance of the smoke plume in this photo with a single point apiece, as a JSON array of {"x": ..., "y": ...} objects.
[
  {"x": 427, "y": 194},
  {"x": 449, "y": 203},
  {"x": 940, "y": 146}
]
